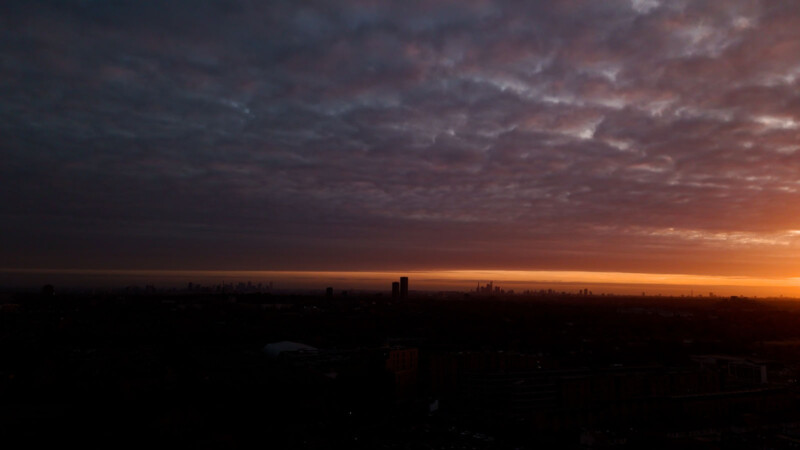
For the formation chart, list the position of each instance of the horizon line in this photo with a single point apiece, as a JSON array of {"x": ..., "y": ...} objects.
[{"x": 453, "y": 275}]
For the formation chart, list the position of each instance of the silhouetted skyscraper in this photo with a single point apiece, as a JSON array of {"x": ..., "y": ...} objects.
[
  {"x": 395, "y": 289},
  {"x": 48, "y": 290},
  {"x": 403, "y": 287}
]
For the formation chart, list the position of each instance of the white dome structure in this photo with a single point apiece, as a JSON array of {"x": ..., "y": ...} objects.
[{"x": 274, "y": 349}]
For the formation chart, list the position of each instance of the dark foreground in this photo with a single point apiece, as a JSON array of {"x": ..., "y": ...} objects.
[{"x": 428, "y": 372}]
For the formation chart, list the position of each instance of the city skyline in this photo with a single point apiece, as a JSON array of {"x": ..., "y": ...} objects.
[
  {"x": 617, "y": 142},
  {"x": 600, "y": 283}
]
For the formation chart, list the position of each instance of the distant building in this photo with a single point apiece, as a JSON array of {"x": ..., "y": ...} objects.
[
  {"x": 48, "y": 290},
  {"x": 395, "y": 289},
  {"x": 737, "y": 372},
  {"x": 490, "y": 289},
  {"x": 329, "y": 292},
  {"x": 403, "y": 287},
  {"x": 403, "y": 364}
]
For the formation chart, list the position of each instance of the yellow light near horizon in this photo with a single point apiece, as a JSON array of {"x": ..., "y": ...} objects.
[{"x": 455, "y": 279}]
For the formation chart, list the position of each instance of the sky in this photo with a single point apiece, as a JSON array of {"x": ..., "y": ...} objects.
[{"x": 618, "y": 136}]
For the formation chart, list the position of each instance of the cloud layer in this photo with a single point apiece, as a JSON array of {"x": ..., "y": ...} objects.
[{"x": 616, "y": 135}]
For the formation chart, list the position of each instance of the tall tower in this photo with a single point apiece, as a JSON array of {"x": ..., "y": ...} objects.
[
  {"x": 403, "y": 287},
  {"x": 395, "y": 289}
]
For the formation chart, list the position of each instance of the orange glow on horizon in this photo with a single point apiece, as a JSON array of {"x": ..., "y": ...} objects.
[{"x": 457, "y": 280}]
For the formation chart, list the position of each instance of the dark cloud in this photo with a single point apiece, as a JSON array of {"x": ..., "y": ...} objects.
[{"x": 635, "y": 135}]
